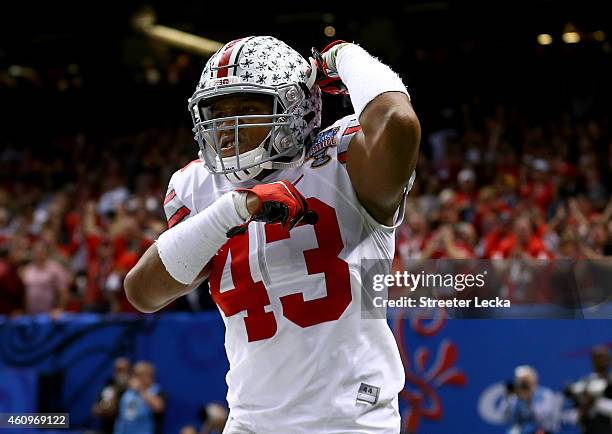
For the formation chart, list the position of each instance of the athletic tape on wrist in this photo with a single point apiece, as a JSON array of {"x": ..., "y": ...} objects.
[{"x": 186, "y": 248}]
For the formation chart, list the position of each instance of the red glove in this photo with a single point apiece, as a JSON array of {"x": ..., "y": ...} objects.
[
  {"x": 279, "y": 202},
  {"x": 327, "y": 74}
]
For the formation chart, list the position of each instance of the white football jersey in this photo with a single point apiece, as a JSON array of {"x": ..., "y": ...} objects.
[{"x": 302, "y": 359}]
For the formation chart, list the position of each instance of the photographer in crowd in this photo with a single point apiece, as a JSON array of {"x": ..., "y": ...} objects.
[
  {"x": 142, "y": 406},
  {"x": 592, "y": 395},
  {"x": 529, "y": 407},
  {"x": 107, "y": 406}
]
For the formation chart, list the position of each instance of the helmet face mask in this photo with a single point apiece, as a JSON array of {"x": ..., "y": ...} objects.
[{"x": 293, "y": 120}]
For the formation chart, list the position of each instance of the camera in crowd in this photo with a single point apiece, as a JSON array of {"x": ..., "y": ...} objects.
[
  {"x": 524, "y": 382},
  {"x": 512, "y": 387},
  {"x": 596, "y": 385},
  {"x": 592, "y": 395},
  {"x": 586, "y": 390}
]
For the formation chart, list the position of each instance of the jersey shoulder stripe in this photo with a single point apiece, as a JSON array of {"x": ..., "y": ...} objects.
[
  {"x": 176, "y": 204},
  {"x": 178, "y": 216}
]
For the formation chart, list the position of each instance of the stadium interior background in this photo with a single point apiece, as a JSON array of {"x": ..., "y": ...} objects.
[{"x": 90, "y": 105}]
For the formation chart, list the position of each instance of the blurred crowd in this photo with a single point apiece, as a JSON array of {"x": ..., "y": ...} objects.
[
  {"x": 74, "y": 220},
  {"x": 78, "y": 207},
  {"x": 505, "y": 187}
]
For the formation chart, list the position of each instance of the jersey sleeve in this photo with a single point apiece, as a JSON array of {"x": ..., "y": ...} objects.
[
  {"x": 176, "y": 211},
  {"x": 350, "y": 127}
]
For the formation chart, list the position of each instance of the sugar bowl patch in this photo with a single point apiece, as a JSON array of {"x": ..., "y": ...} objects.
[{"x": 318, "y": 150}]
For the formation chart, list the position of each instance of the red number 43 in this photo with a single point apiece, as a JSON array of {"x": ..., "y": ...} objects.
[{"x": 252, "y": 297}]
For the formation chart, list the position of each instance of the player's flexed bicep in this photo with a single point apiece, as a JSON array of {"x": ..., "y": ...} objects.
[{"x": 382, "y": 156}]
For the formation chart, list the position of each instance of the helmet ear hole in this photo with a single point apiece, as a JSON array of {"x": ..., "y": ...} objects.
[{"x": 308, "y": 117}]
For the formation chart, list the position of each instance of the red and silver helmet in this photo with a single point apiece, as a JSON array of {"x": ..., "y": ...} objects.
[{"x": 258, "y": 65}]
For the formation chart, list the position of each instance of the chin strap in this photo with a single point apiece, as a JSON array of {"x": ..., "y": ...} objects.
[{"x": 283, "y": 165}]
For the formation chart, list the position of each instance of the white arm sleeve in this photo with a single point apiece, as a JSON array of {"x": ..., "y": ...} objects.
[
  {"x": 186, "y": 248},
  {"x": 365, "y": 76}
]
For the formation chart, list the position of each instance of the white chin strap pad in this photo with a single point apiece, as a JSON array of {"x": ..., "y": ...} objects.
[
  {"x": 279, "y": 165},
  {"x": 244, "y": 175},
  {"x": 246, "y": 159}
]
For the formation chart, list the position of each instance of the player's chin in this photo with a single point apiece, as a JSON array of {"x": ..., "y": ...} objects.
[{"x": 228, "y": 152}]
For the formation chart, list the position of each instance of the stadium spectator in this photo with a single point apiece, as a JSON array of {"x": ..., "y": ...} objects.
[
  {"x": 529, "y": 407},
  {"x": 107, "y": 406},
  {"x": 538, "y": 189},
  {"x": 466, "y": 196},
  {"x": 452, "y": 242},
  {"x": 214, "y": 417},
  {"x": 143, "y": 404},
  {"x": 46, "y": 282},
  {"x": 522, "y": 242}
]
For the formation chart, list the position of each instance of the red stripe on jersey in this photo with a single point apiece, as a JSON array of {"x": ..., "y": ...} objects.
[
  {"x": 170, "y": 196},
  {"x": 178, "y": 216},
  {"x": 189, "y": 164},
  {"x": 351, "y": 130},
  {"x": 343, "y": 156},
  {"x": 225, "y": 57}
]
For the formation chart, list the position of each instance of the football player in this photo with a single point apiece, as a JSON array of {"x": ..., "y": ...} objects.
[{"x": 278, "y": 215}]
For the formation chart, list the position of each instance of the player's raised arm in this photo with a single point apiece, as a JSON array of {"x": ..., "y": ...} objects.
[
  {"x": 383, "y": 155},
  {"x": 179, "y": 260}
]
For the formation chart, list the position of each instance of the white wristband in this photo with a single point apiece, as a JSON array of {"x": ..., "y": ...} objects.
[
  {"x": 186, "y": 248},
  {"x": 365, "y": 76}
]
